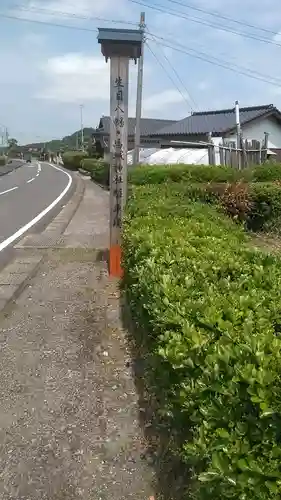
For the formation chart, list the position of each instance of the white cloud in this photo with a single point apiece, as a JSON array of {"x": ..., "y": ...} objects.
[
  {"x": 76, "y": 77},
  {"x": 163, "y": 100}
]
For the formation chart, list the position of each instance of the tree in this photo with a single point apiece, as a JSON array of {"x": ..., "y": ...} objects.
[{"x": 12, "y": 143}]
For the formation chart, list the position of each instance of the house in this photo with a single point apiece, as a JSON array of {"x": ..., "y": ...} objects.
[
  {"x": 148, "y": 127},
  {"x": 255, "y": 121}
]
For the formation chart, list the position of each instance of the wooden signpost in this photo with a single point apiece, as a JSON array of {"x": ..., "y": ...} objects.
[
  {"x": 119, "y": 73},
  {"x": 119, "y": 46}
]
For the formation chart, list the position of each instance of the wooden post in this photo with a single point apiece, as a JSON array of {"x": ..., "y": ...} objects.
[
  {"x": 221, "y": 151},
  {"x": 119, "y": 75},
  {"x": 266, "y": 135},
  {"x": 211, "y": 151},
  {"x": 244, "y": 157},
  {"x": 227, "y": 154},
  {"x": 238, "y": 135},
  {"x": 224, "y": 151}
]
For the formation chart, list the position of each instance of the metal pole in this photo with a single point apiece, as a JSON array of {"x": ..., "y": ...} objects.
[
  {"x": 82, "y": 127},
  {"x": 238, "y": 132},
  {"x": 136, "y": 156}
]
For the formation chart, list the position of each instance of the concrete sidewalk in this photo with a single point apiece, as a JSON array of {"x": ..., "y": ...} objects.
[{"x": 68, "y": 406}]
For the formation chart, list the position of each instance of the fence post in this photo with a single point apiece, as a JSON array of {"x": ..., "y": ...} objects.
[
  {"x": 211, "y": 150},
  {"x": 265, "y": 148},
  {"x": 260, "y": 153},
  {"x": 221, "y": 151}
]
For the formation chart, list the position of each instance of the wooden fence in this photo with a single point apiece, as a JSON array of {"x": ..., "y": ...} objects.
[{"x": 250, "y": 153}]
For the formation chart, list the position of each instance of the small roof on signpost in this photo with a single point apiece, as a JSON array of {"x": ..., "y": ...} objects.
[{"x": 120, "y": 43}]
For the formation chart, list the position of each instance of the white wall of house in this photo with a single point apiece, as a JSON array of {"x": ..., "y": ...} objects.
[{"x": 256, "y": 130}]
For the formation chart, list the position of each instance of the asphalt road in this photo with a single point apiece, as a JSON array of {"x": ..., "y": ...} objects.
[{"x": 28, "y": 193}]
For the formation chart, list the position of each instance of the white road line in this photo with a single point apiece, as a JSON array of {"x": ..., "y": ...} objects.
[
  {"x": 36, "y": 219},
  {"x": 9, "y": 190},
  {"x": 37, "y": 174},
  {"x": 30, "y": 180}
]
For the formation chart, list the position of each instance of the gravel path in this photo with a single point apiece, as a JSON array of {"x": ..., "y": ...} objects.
[{"x": 69, "y": 410}]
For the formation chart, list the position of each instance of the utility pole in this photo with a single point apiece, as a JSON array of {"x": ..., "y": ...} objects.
[
  {"x": 136, "y": 157},
  {"x": 82, "y": 126},
  {"x": 238, "y": 133},
  {"x": 3, "y": 141}
]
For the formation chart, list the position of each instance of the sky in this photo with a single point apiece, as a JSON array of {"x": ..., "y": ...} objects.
[{"x": 51, "y": 61}]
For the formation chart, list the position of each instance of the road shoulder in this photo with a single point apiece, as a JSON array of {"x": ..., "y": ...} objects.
[
  {"x": 27, "y": 253},
  {"x": 70, "y": 413}
]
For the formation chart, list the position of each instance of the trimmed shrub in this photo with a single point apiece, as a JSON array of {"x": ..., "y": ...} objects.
[
  {"x": 256, "y": 204},
  {"x": 266, "y": 173},
  {"x": 146, "y": 174},
  {"x": 265, "y": 213},
  {"x": 99, "y": 170},
  {"x": 157, "y": 174},
  {"x": 210, "y": 310},
  {"x": 72, "y": 159},
  {"x": 3, "y": 160},
  {"x": 235, "y": 198}
]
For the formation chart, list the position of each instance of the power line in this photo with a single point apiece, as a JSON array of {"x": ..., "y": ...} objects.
[
  {"x": 179, "y": 78},
  {"x": 168, "y": 75},
  {"x": 195, "y": 54},
  {"x": 220, "y": 64},
  {"x": 177, "y": 2},
  {"x": 43, "y": 10},
  {"x": 182, "y": 15},
  {"x": 240, "y": 68},
  {"x": 46, "y": 23},
  {"x": 173, "y": 70},
  {"x": 221, "y": 16},
  {"x": 158, "y": 8},
  {"x": 59, "y": 25}
]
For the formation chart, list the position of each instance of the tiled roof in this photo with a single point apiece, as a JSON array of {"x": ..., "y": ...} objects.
[
  {"x": 148, "y": 126},
  {"x": 216, "y": 122}
]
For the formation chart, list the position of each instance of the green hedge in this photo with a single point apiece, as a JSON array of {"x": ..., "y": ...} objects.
[
  {"x": 3, "y": 160},
  {"x": 72, "y": 159},
  {"x": 266, "y": 173},
  {"x": 258, "y": 204},
  {"x": 265, "y": 213},
  {"x": 157, "y": 174},
  {"x": 145, "y": 174},
  {"x": 210, "y": 310},
  {"x": 99, "y": 170}
]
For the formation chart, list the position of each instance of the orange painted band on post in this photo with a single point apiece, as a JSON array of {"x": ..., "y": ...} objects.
[{"x": 115, "y": 269}]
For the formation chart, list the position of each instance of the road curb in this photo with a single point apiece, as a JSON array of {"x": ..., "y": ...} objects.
[
  {"x": 53, "y": 232},
  {"x": 15, "y": 277},
  {"x": 10, "y": 170}
]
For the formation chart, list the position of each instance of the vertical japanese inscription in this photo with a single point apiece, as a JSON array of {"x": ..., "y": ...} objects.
[
  {"x": 118, "y": 152},
  {"x": 118, "y": 144}
]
